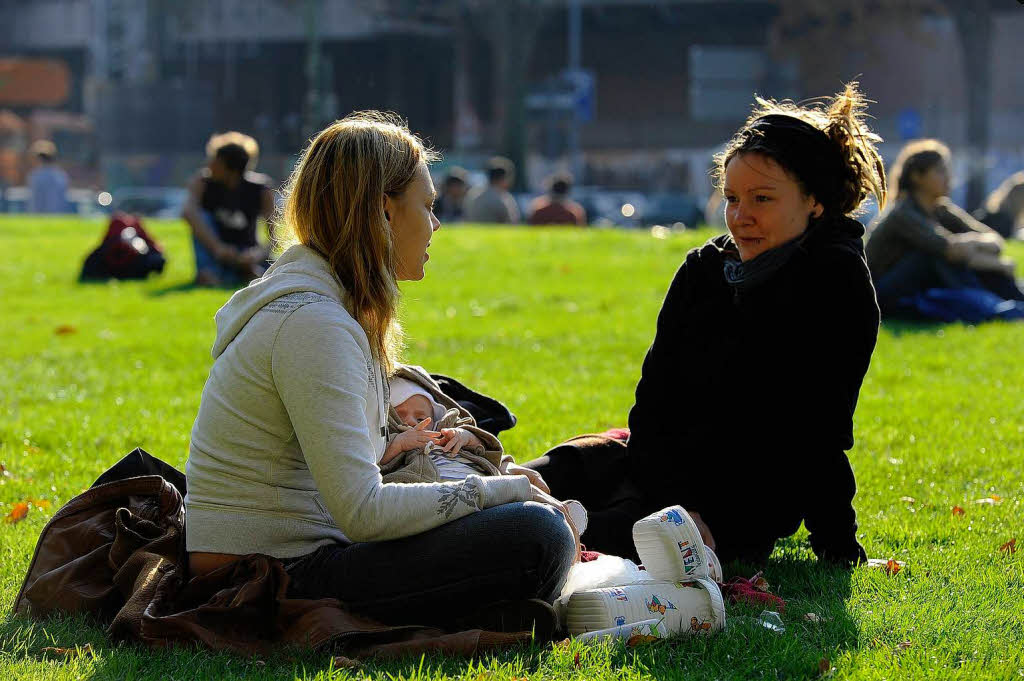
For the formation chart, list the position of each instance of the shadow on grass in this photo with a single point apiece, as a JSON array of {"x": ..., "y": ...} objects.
[
  {"x": 187, "y": 287},
  {"x": 744, "y": 650},
  {"x": 901, "y": 327}
]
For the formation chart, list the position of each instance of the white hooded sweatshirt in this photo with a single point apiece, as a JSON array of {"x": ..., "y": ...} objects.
[{"x": 284, "y": 450}]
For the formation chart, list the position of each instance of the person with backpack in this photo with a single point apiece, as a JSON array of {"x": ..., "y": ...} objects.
[{"x": 225, "y": 203}]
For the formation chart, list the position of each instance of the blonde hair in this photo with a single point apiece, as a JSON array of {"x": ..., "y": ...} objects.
[
  {"x": 334, "y": 204},
  {"x": 1008, "y": 197},
  {"x": 917, "y": 156},
  {"x": 839, "y": 163},
  {"x": 232, "y": 137}
]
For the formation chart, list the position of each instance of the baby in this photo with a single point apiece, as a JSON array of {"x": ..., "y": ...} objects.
[
  {"x": 417, "y": 408},
  {"x": 434, "y": 439}
]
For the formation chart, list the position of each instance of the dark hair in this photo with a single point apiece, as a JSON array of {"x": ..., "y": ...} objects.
[
  {"x": 456, "y": 175},
  {"x": 498, "y": 168},
  {"x": 44, "y": 150},
  {"x": 915, "y": 158},
  {"x": 828, "y": 149},
  {"x": 234, "y": 156},
  {"x": 560, "y": 184}
]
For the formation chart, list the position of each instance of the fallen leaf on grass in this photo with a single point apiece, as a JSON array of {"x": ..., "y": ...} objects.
[
  {"x": 824, "y": 666},
  {"x": 576, "y": 660},
  {"x": 815, "y": 617},
  {"x": 17, "y": 513},
  {"x": 20, "y": 509},
  {"x": 4, "y": 472},
  {"x": 342, "y": 662},
  {"x": 1010, "y": 546},
  {"x": 908, "y": 500},
  {"x": 990, "y": 500},
  {"x": 760, "y": 583},
  {"x": 904, "y": 645},
  {"x": 65, "y": 329},
  {"x": 68, "y": 653},
  {"x": 888, "y": 566},
  {"x": 957, "y": 511}
]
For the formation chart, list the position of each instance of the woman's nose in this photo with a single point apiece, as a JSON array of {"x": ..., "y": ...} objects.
[{"x": 740, "y": 213}]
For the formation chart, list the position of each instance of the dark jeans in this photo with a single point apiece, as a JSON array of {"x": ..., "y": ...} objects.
[
  {"x": 440, "y": 577},
  {"x": 599, "y": 479},
  {"x": 917, "y": 272}
]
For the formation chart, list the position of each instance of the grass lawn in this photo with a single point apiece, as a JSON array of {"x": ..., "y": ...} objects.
[{"x": 555, "y": 323}]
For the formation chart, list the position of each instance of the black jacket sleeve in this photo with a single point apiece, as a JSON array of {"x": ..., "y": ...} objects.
[
  {"x": 656, "y": 431},
  {"x": 840, "y": 341}
]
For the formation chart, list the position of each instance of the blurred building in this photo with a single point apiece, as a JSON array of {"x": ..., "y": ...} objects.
[{"x": 671, "y": 79}]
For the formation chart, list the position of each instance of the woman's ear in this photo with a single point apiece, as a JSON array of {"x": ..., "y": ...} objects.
[
  {"x": 817, "y": 210},
  {"x": 388, "y": 205}
]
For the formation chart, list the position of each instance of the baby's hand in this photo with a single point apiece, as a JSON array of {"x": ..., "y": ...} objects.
[
  {"x": 414, "y": 438},
  {"x": 454, "y": 439}
]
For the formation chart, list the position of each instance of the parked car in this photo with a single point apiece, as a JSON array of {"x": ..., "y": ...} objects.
[
  {"x": 155, "y": 202},
  {"x": 671, "y": 210},
  {"x": 79, "y": 201}
]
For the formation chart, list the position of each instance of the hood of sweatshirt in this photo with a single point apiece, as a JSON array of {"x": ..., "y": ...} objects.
[{"x": 298, "y": 269}]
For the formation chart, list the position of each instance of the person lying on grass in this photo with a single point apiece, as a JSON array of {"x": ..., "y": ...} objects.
[
  {"x": 746, "y": 399},
  {"x": 284, "y": 452}
]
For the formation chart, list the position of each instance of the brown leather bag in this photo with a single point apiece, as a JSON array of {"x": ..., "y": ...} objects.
[{"x": 117, "y": 551}]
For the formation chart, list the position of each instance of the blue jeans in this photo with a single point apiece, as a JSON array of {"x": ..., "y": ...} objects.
[
  {"x": 509, "y": 552},
  {"x": 917, "y": 272},
  {"x": 205, "y": 261}
]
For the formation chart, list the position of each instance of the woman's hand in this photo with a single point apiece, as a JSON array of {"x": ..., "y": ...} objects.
[
  {"x": 544, "y": 498},
  {"x": 414, "y": 438},
  {"x": 535, "y": 478},
  {"x": 705, "y": 531},
  {"x": 454, "y": 439}
]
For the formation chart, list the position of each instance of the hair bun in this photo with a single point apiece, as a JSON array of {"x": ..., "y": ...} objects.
[{"x": 828, "y": 148}]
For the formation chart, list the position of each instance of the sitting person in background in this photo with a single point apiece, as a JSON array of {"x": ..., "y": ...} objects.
[
  {"x": 1003, "y": 210},
  {"x": 449, "y": 205},
  {"x": 555, "y": 207},
  {"x": 47, "y": 181},
  {"x": 927, "y": 242},
  {"x": 493, "y": 203},
  {"x": 225, "y": 202}
]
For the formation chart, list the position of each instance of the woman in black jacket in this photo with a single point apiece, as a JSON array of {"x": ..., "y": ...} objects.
[{"x": 745, "y": 405}]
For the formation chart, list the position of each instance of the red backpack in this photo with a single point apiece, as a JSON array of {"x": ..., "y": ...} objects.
[{"x": 126, "y": 252}]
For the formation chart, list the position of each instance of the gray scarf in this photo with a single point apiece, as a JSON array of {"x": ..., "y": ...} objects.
[{"x": 744, "y": 276}]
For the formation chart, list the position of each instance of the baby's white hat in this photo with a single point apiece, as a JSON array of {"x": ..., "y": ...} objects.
[{"x": 402, "y": 389}]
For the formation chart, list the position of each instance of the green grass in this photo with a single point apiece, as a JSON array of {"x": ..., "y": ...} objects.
[{"x": 556, "y": 324}]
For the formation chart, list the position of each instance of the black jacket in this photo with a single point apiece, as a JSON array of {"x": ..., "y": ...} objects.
[{"x": 745, "y": 405}]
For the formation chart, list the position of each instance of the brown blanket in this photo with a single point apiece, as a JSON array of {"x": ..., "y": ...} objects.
[{"x": 117, "y": 551}]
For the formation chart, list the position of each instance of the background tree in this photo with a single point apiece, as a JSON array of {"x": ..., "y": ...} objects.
[
  {"x": 510, "y": 29},
  {"x": 814, "y": 30}
]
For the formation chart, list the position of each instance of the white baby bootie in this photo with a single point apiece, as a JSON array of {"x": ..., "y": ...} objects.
[
  {"x": 681, "y": 607},
  {"x": 671, "y": 548}
]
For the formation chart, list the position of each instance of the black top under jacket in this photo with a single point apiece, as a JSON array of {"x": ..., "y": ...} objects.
[
  {"x": 745, "y": 405},
  {"x": 235, "y": 211}
]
